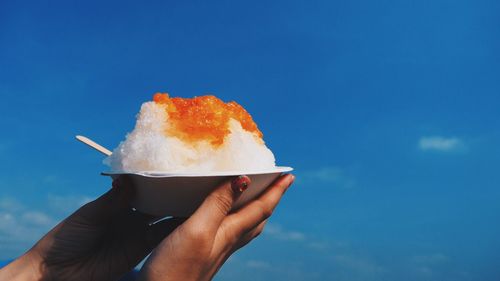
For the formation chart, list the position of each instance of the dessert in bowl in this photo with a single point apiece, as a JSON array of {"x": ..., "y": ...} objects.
[
  {"x": 182, "y": 148},
  {"x": 179, "y": 195}
]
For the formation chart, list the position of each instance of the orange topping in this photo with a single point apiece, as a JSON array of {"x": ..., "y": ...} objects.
[{"x": 204, "y": 118}]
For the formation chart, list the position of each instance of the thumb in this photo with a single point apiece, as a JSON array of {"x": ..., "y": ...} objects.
[
  {"x": 218, "y": 204},
  {"x": 110, "y": 204}
]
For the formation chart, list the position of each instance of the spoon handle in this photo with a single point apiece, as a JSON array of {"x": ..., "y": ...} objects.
[{"x": 94, "y": 145}]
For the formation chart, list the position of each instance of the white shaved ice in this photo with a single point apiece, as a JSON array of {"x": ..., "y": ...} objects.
[{"x": 147, "y": 148}]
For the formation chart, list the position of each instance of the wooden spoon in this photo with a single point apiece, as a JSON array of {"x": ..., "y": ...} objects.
[{"x": 94, "y": 145}]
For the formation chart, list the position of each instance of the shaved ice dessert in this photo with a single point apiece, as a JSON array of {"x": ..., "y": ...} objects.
[{"x": 192, "y": 135}]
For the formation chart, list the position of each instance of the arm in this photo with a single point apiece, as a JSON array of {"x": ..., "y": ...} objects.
[
  {"x": 25, "y": 267},
  {"x": 103, "y": 240},
  {"x": 199, "y": 247}
]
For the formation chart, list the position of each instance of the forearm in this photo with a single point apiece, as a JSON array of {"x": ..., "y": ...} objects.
[
  {"x": 27, "y": 267},
  {"x": 165, "y": 269},
  {"x": 149, "y": 273}
]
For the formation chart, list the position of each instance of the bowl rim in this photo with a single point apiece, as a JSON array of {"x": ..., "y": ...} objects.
[{"x": 159, "y": 174}]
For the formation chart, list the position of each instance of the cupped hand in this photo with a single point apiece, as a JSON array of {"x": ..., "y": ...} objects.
[
  {"x": 199, "y": 247},
  {"x": 103, "y": 240}
]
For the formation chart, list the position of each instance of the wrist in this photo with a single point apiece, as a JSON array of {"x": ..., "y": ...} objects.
[
  {"x": 165, "y": 271},
  {"x": 27, "y": 267}
]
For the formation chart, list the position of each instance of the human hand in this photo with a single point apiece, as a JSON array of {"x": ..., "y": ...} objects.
[
  {"x": 200, "y": 246},
  {"x": 102, "y": 240}
]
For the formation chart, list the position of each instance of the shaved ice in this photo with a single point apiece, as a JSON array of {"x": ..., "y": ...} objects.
[{"x": 202, "y": 134}]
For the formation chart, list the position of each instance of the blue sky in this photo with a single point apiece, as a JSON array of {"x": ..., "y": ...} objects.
[{"x": 388, "y": 110}]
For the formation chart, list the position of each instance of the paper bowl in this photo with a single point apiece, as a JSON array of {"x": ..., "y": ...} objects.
[{"x": 180, "y": 194}]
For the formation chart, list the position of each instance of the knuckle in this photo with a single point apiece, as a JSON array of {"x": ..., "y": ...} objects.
[
  {"x": 232, "y": 238},
  {"x": 258, "y": 232},
  {"x": 223, "y": 202},
  {"x": 232, "y": 233},
  {"x": 197, "y": 235},
  {"x": 260, "y": 229},
  {"x": 201, "y": 242},
  {"x": 265, "y": 210}
]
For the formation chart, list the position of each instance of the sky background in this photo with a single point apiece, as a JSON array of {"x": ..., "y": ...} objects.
[{"x": 388, "y": 111}]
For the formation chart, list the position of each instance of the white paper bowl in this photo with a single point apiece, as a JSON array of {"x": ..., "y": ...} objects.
[{"x": 179, "y": 195}]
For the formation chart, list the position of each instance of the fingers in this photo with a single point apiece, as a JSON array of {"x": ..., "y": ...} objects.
[
  {"x": 257, "y": 211},
  {"x": 250, "y": 235},
  {"x": 218, "y": 204},
  {"x": 113, "y": 202},
  {"x": 230, "y": 248}
]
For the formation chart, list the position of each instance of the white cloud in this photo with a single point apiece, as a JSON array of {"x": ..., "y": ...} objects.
[
  {"x": 10, "y": 204},
  {"x": 360, "y": 265},
  {"x": 319, "y": 246},
  {"x": 19, "y": 230},
  {"x": 6, "y": 220},
  {"x": 66, "y": 205},
  {"x": 257, "y": 264},
  {"x": 424, "y": 270},
  {"x": 306, "y": 259},
  {"x": 327, "y": 174},
  {"x": 21, "y": 225},
  {"x": 278, "y": 232},
  {"x": 429, "y": 264},
  {"x": 431, "y": 259},
  {"x": 438, "y": 143},
  {"x": 37, "y": 218}
]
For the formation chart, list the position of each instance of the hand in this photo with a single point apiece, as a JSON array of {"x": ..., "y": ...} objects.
[
  {"x": 102, "y": 240},
  {"x": 198, "y": 248}
]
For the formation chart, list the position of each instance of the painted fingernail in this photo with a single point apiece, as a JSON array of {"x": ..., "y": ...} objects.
[{"x": 240, "y": 183}]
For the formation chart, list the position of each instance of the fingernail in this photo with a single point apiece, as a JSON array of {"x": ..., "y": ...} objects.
[{"x": 240, "y": 183}]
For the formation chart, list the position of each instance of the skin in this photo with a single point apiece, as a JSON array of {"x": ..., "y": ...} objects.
[{"x": 105, "y": 238}]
